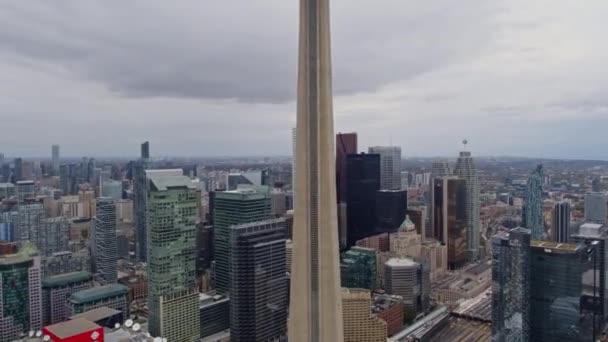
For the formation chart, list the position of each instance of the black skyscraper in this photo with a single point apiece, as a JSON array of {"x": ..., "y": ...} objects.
[
  {"x": 391, "y": 208},
  {"x": 18, "y": 170},
  {"x": 145, "y": 150},
  {"x": 363, "y": 181},
  {"x": 258, "y": 291}
]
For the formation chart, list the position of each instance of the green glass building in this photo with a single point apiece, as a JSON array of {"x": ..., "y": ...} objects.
[
  {"x": 173, "y": 304},
  {"x": 244, "y": 205},
  {"x": 20, "y": 293},
  {"x": 359, "y": 268}
]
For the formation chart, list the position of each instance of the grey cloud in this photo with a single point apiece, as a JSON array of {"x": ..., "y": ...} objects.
[{"x": 237, "y": 49}]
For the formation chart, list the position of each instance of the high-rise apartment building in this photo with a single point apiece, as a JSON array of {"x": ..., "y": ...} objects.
[
  {"x": 449, "y": 218},
  {"x": 258, "y": 290},
  {"x": 511, "y": 286},
  {"x": 360, "y": 324},
  {"x": 595, "y": 207},
  {"x": 533, "y": 204},
  {"x": 391, "y": 209},
  {"x": 244, "y": 205},
  {"x": 346, "y": 143},
  {"x": 55, "y": 159},
  {"x": 316, "y": 303},
  {"x": 558, "y": 293},
  {"x": 561, "y": 222},
  {"x": 466, "y": 169},
  {"x": 363, "y": 182},
  {"x": 21, "y": 293},
  {"x": 390, "y": 166},
  {"x": 359, "y": 268},
  {"x": 172, "y": 296},
  {"x": 104, "y": 239},
  {"x": 411, "y": 280}
]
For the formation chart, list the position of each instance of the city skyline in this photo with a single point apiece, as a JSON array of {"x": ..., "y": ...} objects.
[{"x": 472, "y": 64}]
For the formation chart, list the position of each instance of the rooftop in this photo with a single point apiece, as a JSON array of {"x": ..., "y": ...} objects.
[
  {"x": 479, "y": 269},
  {"x": 570, "y": 247},
  {"x": 400, "y": 262},
  {"x": 97, "y": 293},
  {"x": 164, "y": 172},
  {"x": 71, "y": 328},
  {"x": 65, "y": 279},
  {"x": 97, "y": 314},
  {"x": 164, "y": 183},
  {"x": 592, "y": 230}
]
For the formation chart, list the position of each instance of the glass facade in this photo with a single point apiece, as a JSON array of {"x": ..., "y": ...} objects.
[
  {"x": 557, "y": 292},
  {"x": 240, "y": 206},
  {"x": 533, "y": 205},
  {"x": 363, "y": 181},
  {"x": 359, "y": 268},
  {"x": 450, "y": 218}
]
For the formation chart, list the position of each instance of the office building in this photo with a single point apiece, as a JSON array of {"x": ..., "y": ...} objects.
[
  {"x": 278, "y": 203},
  {"x": 511, "y": 286},
  {"x": 346, "y": 143},
  {"x": 557, "y": 292},
  {"x": 359, "y": 268},
  {"x": 411, "y": 280},
  {"x": 258, "y": 290},
  {"x": 20, "y": 289},
  {"x": 533, "y": 204},
  {"x": 595, "y": 236},
  {"x": 595, "y": 207},
  {"x": 7, "y": 190},
  {"x": 66, "y": 262},
  {"x": 561, "y": 222},
  {"x": 214, "y": 314},
  {"x": 390, "y": 166},
  {"x": 17, "y": 170},
  {"x": 449, "y": 218},
  {"x": 145, "y": 150},
  {"x": 391, "y": 209},
  {"x": 25, "y": 190},
  {"x": 104, "y": 239},
  {"x": 57, "y": 289},
  {"x": 440, "y": 168},
  {"x": 55, "y": 159},
  {"x": 113, "y": 296},
  {"x": 363, "y": 183},
  {"x": 389, "y": 309},
  {"x": 360, "y": 325},
  {"x": 244, "y": 205},
  {"x": 173, "y": 301},
  {"x": 139, "y": 206},
  {"x": 315, "y": 306},
  {"x": 466, "y": 169}
]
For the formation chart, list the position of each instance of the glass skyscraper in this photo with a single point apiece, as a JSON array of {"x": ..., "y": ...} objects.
[
  {"x": 465, "y": 169},
  {"x": 172, "y": 296},
  {"x": 363, "y": 182},
  {"x": 511, "y": 286},
  {"x": 258, "y": 291},
  {"x": 449, "y": 217},
  {"x": 244, "y": 205},
  {"x": 359, "y": 268},
  {"x": 533, "y": 204}
]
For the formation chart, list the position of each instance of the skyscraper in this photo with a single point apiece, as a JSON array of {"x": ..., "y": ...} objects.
[
  {"x": 533, "y": 205},
  {"x": 294, "y": 134},
  {"x": 561, "y": 222},
  {"x": 511, "y": 286},
  {"x": 595, "y": 207},
  {"x": 558, "y": 293},
  {"x": 359, "y": 268},
  {"x": 449, "y": 218},
  {"x": 465, "y": 169},
  {"x": 258, "y": 292},
  {"x": 139, "y": 203},
  {"x": 21, "y": 289},
  {"x": 391, "y": 208},
  {"x": 440, "y": 168},
  {"x": 55, "y": 159},
  {"x": 145, "y": 150},
  {"x": 346, "y": 143},
  {"x": 244, "y": 205},
  {"x": 172, "y": 296},
  {"x": 104, "y": 238},
  {"x": 411, "y": 280},
  {"x": 363, "y": 182},
  {"x": 17, "y": 170},
  {"x": 316, "y": 303},
  {"x": 390, "y": 166}
]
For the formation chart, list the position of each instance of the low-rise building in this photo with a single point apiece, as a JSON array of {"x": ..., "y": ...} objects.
[
  {"x": 114, "y": 296},
  {"x": 57, "y": 289}
]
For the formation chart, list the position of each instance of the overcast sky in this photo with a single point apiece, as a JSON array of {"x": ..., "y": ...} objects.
[{"x": 206, "y": 78}]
